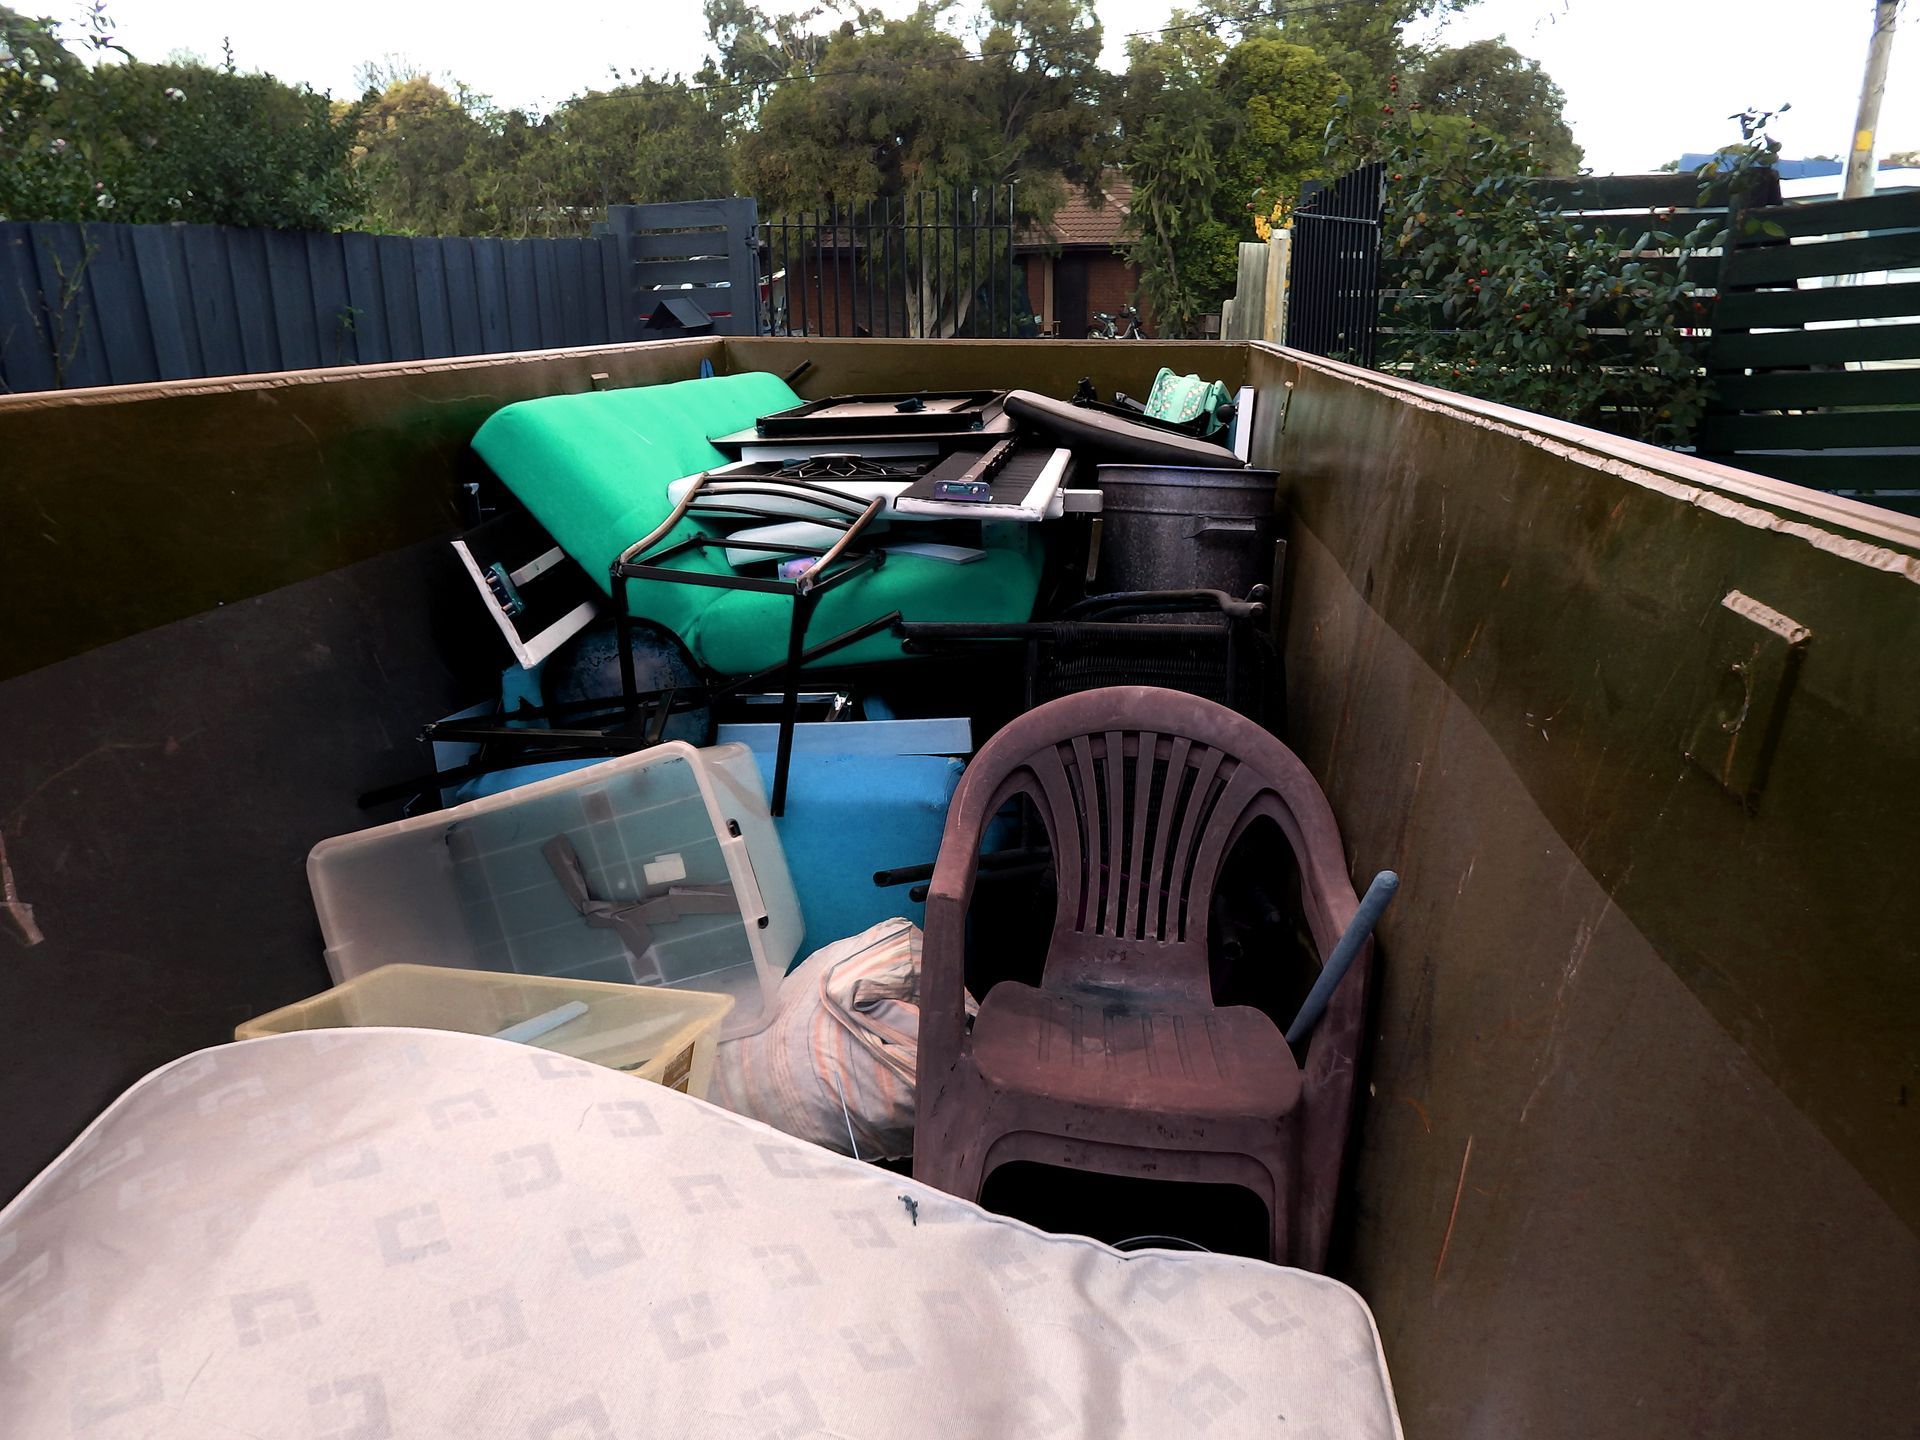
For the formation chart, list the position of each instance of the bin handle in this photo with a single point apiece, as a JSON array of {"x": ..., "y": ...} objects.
[
  {"x": 1221, "y": 525},
  {"x": 753, "y": 909}
]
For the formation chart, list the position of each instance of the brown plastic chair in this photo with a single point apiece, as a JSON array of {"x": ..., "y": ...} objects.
[{"x": 1120, "y": 1062}]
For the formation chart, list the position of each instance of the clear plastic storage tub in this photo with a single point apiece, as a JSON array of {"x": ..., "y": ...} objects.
[
  {"x": 666, "y": 1036},
  {"x": 657, "y": 868}
]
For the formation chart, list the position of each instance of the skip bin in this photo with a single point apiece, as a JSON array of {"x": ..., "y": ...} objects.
[
  {"x": 666, "y": 1036},
  {"x": 1642, "y": 1081},
  {"x": 658, "y": 868}
]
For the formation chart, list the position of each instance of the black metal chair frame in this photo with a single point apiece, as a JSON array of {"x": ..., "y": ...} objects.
[
  {"x": 717, "y": 496},
  {"x": 582, "y": 729},
  {"x": 1109, "y": 617}
]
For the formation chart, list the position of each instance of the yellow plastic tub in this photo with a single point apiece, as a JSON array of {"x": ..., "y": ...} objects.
[{"x": 666, "y": 1036}]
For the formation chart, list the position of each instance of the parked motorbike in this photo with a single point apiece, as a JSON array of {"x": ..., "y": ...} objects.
[{"x": 1124, "y": 326}]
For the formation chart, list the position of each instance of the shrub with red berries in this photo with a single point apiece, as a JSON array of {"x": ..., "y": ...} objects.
[{"x": 1496, "y": 291}]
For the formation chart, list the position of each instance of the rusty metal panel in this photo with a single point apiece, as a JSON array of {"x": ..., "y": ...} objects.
[
  {"x": 124, "y": 508},
  {"x": 1639, "y": 1157}
]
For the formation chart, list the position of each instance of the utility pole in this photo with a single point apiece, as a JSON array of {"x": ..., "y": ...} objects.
[{"x": 1879, "y": 51}]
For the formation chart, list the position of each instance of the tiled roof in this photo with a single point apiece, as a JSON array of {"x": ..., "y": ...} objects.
[{"x": 1080, "y": 221}]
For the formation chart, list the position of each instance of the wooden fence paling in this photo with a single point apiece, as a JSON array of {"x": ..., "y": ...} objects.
[
  {"x": 709, "y": 243},
  {"x": 1779, "y": 340},
  {"x": 1279, "y": 252},
  {"x": 1782, "y": 343},
  {"x": 101, "y": 304},
  {"x": 1247, "y": 319}
]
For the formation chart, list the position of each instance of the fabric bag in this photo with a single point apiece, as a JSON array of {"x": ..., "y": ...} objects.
[
  {"x": 1184, "y": 399},
  {"x": 836, "y": 1063}
]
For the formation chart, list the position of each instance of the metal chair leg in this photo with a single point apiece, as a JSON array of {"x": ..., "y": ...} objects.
[
  {"x": 790, "y": 700},
  {"x": 623, "y": 637}
]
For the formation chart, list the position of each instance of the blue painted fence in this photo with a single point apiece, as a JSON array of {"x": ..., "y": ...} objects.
[{"x": 124, "y": 304}]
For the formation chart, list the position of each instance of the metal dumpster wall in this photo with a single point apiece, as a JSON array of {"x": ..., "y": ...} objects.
[
  {"x": 125, "y": 507},
  {"x": 224, "y": 619},
  {"x": 1640, "y": 1156}
]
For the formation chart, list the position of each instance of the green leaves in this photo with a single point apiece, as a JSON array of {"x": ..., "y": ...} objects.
[
  {"x": 900, "y": 104},
  {"x": 1507, "y": 298},
  {"x": 1504, "y": 92},
  {"x": 1209, "y": 134},
  {"x": 135, "y": 142}
]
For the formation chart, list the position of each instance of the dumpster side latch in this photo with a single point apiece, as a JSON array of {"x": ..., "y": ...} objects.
[{"x": 1756, "y": 653}]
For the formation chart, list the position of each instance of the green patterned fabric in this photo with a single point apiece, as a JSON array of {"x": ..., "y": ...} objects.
[
  {"x": 1179, "y": 399},
  {"x": 594, "y": 470}
]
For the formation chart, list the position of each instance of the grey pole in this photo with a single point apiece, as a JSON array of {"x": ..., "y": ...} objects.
[{"x": 1879, "y": 53}]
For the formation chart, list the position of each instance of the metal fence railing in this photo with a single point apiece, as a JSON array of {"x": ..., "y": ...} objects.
[
  {"x": 1333, "y": 277},
  {"x": 932, "y": 263}
]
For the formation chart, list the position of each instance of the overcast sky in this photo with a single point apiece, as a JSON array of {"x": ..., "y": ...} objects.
[{"x": 1645, "y": 79}]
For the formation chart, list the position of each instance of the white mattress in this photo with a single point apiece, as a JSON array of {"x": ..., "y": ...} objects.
[{"x": 351, "y": 1235}]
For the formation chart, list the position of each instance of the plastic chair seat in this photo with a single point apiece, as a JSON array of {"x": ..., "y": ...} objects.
[
  {"x": 1117, "y": 1050},
  {"x": 1118, "y": 1061}
]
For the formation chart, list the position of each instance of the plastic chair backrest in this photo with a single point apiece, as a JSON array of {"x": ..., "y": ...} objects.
[{"x": 1138, "y": 844}]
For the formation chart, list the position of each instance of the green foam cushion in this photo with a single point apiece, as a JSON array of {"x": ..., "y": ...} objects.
[
  {"x": 594, "y": 470},
  {"x": 738, "y": 631}
]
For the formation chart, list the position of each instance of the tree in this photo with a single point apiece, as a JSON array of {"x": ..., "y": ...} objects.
[
  {"x": 1502, "y": 295},
  {"x": 1204, "y": 130},
  {"x": 39, "y": 178},
  {"x": 1281, "y": 97},
  {"x": 753, "y": 52},
  {"x": 902, "y": 111},
  {"x": 119, "y": 139},
  {"x": 644, "y": 141},
  {"x": 435, "y": 161},
  {"x": 1040, "y": 77},
  {"x": 884, "y": 114},
  {"x": 415, "y": 157},
  {"x": 1171, "y": 111},
  {"x": 1364, "y": 43},
  {"x": 1496, "y": 86},
  {"x": 900, "y": 105}
]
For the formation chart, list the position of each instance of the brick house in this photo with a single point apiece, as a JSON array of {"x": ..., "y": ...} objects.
[{"x": 1074, "y": 264}]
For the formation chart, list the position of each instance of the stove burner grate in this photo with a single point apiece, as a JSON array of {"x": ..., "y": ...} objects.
[{"x": 847, "y": 467}]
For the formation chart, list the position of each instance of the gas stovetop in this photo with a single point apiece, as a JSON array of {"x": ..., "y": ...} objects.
[{"x": 838, "y": 467}]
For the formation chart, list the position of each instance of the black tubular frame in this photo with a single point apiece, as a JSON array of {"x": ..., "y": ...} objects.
[
  {"x": 716, "y": 495},
  {"x": 1111, "y": 616},
  {"x": 634, "y": 719}
]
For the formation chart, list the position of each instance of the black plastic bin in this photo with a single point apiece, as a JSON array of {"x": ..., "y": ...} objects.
[{"x": 1175, "y": 527}]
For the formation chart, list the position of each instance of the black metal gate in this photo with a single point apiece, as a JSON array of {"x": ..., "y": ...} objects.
[
  {"x": 1333, "y": 275},
  {"x": 935, "y": 264}
]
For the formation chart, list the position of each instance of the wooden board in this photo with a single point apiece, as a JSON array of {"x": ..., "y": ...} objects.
[
  {"x": 397, "y": 292},
  {"x": 1816, "y": 347},
  {"x": 289, "y": 283},
  {"x": 1806, "y": 389},
  {"x": 125, "y": 337},
  {"x": 366, "y": 303},
  {"x": 430, "y": 296},
  {"x": 1835, "y": 430},
  {"x": 246, "y": 252},
  {"x": 1776, "y": 309}
]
